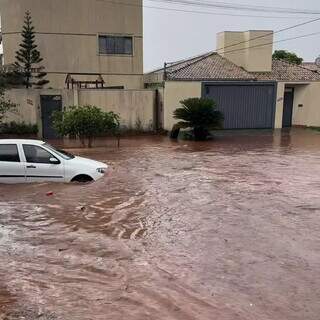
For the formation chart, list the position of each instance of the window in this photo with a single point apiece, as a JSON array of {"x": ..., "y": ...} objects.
[
  {"x": 35, "y": 154},
  {"x": 9, "y": 153},
  {"x": 63, "y": 154},
  {"x": 116, "y": 45}
]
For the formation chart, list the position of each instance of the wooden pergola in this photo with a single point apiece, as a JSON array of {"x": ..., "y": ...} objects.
[{"x": 73, "y": 83}]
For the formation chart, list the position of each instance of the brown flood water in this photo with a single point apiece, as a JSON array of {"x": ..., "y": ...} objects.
[{"x": 226, "y": 229}]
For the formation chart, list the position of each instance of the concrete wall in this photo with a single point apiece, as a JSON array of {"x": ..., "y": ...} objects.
[
  {"x": 28, "y": 104},
  {"x": 279, "y": 105},
  {"x": 135, "y": 107},
  {"x": 174, "y": 92},
  {"x": 306, "y": 105},
  {"x": 251, "y": 49},
  {"x": 67, "y": 35},
  {"x": 305, "y": 95},
  {"x": 160, "y": 108},
  {"x": 155, "y": 77}
]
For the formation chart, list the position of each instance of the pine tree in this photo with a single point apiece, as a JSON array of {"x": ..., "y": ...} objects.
[{"x": 28, "y": 57}]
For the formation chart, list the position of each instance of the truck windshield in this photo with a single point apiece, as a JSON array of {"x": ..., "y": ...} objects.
[{"x": 63, "y": 154}]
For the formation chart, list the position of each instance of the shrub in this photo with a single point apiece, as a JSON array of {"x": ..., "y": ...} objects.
[
  {"x": 5, "y": 105},
  {"x": 20, "y": 128},
  {"x": 85, "y": 123},
  {"x": 199, "y": 114}
]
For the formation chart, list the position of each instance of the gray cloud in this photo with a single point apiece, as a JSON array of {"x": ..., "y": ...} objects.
[{"x": 170, "y": 36}]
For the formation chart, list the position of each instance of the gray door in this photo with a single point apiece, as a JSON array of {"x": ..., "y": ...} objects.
[
  {"x": 245, "y": 106},
  {"x": 287, "y": 108},
  {"x": 49, "y": 104}
]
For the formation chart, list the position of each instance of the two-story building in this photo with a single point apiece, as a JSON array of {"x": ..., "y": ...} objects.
[{"x": 80, "y": 40}]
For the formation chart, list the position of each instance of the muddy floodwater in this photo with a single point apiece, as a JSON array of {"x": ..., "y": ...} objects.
[{"x": 225, "y": 229}]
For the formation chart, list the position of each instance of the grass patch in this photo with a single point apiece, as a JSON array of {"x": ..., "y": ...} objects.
[{"x": 315, "y": 128}]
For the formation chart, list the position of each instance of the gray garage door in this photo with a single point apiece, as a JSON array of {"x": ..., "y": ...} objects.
[{"x": 245, "y": 106}]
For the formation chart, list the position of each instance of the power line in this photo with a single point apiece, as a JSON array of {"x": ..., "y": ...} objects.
[
  {"x": 231, "y": 6},
  {"x": 252, "y": 39},
  {"x": 202, "y": 12},
  {"x": 244, "y": 6},
  {"x": 271, "y": 33},
  {"x": 273, "y": 42},
  {"x": 235, "y": 44},
  {"x": 236, "y": 50}
]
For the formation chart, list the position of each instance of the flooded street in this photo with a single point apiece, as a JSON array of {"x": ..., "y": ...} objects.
[{"x": 225, "y": 229}]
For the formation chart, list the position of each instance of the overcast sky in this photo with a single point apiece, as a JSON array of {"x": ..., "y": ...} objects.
[{"x": 170, "y": 36}]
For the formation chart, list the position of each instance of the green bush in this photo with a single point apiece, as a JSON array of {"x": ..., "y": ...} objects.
[
  {"x": 200, "y": 114},
  {"x": 85, "y": 123},
  {"x": 18, "y": 128},
  {"x": 315, "y": 128}
]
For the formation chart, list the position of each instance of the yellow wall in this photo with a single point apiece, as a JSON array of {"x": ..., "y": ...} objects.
[
  {"x": 224, "y": 42},
  {"x": 305, "y": 94},
  {"x": 174, "y": 92},
  {"x": 28, "y": 108},
  {"x": 133, "y": 106},
  {"x": 309, "y": 97},
  {"x": 67, "y": 35},
  {"x": 251, "y": 49}
]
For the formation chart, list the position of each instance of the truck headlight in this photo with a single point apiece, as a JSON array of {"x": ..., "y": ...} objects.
[{"x": 102, "y": 170}]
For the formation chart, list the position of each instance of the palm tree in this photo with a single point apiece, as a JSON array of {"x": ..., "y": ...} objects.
[{"x": 200, "y": 114}]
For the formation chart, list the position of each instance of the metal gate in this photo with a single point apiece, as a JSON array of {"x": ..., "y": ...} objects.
[
  {"x": 49, "y": 104},
  {"x": 244, "y": 105},
  {"x": 287, "y": 108}
]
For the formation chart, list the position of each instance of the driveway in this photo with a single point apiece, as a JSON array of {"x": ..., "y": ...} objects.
[{"x": 226, "y": 229}]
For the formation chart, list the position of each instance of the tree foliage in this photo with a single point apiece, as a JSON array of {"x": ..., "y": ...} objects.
[
  {"x": 10, "y": 79},
  {"x": 199, "y": 114},
  {"x": 28, "y": 58},
  {"x": 5, "y": 104},
  {"x": 85, "y": 122},
  {"x": 287, "y": 56}
]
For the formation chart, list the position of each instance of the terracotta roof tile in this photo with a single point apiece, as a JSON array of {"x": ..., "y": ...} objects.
[
  {"x": 212, "y": 66},
  {"x": 285, "y": 71},
  {"x": 311, "y": 66}
]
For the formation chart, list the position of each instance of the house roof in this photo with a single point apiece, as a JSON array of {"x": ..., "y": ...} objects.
[
  {"x": 207, "y": 67},
  {"x": 311, "y": 66},
  {"x": 285, "y": 71},
  {"x": 212, "y": 66}
]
